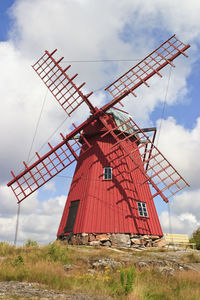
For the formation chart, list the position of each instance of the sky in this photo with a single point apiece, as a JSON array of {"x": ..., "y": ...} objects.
[{"x": 101, "y": 40}]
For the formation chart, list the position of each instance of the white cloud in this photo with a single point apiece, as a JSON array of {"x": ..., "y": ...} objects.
[
  {"x": 9, "y": 203},
  {"x": 50, "y": 186},
  {"x": 184, "y": 223},
  {"x": 37, "y": 220},
  {"x": 181, "y": 147},
  {"x": 188, "y": 201}
]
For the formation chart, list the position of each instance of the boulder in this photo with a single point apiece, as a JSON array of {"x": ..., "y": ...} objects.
[
  {"x": 106, "y": 263},
  {"x": 160, "y": 243},
  {"x": 135, "y": 241},
  {"x": 69, "y": 267},
  {"x": 94, "y": 243},
  {"x": 84, "y": 240},
  {"x": 92, "y": 237},
  {"x": 102, "y": 237},
  {"x": 106, "y": 243},
  {"x": 75, "y": 240},
  {"x": 120, "y": 240},
  {"x": 166, "y": 271},
  {"x": 155, "y": 237},
  {"x": 84, "y": 234}
]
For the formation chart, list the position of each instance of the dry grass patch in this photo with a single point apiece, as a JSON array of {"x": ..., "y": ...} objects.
[
  {"x": 45, "y": 265},
  {"x": 151, "y": 284},
  {"x": 193, "y": 257}
]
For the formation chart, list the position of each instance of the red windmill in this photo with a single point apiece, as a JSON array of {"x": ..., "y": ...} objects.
[{"x": 119, "y": 170}]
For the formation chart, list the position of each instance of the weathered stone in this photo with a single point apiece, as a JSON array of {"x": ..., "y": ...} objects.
[
  {"x": 84, "y": 234},
  {"x": 166, "y": 271},
  {"x": 75, "y": 240},
  {"x": 143, "y": 241},
  {"x": 146, "y": 236},
  {"x": 142, "y": 264},
  {"x": 120, "y": 240},
  {"x": 115, "y": 240},
  {"x": 149, "y": 243},
  {"x": 94, "y": 243},
  {"x": 106, "y": 263},
  {"x": 69, "y": 267},
  {"x": 135, "y": 241},
  {"x": 155, "y": 237},
  {"x": 102, "y": 237},
  {"x": 84, "y": 240},
  {"x": 92, "y": 237},
  {"x": 160, "y": 243},
  {"x": 106, "y": 243},
  {"x": 27, "y": 290},
  {"x": 134, "y": 235}
]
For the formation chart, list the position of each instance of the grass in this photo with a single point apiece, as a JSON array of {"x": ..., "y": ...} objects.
[
  {"x": 191, "y": 258},
  {"x": 150, "y": 284},
  {"x": 45, "y": 265}
]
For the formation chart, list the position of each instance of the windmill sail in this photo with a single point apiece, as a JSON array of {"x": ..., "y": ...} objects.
[
  {"x": 48, "y": 166},
  {"x": 63, "y": 88},
  {"x": 145, "y": 69}
]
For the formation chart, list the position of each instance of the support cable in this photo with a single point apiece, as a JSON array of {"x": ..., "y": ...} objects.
[
  {"x": 37, "y": 126},
  {"x": 164, "y": 105},
  {"x": 159, "y": 130},
  {"x": 36, "y": 129},
  {"x": 17, "y": 224}
]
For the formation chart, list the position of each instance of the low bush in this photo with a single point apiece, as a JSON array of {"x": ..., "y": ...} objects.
[
  {"x": 31, "y": 243},
  {"x": 195, "y": 238}
]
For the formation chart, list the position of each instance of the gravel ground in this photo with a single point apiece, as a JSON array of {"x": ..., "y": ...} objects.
[{"x": 26, "y": 290}]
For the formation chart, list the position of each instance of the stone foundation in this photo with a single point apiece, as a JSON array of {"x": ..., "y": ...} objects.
[{"x": 127, "y": 240}]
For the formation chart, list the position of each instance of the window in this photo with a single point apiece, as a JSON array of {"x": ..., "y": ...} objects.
[
  {"x": 142, "y": 208},
  {"x": 107, "y": 173}
]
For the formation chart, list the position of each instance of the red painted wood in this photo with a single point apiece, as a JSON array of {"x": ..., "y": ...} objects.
[{"x": 109, "y": 206}]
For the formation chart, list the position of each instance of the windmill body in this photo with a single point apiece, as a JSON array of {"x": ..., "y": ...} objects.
[
  {"x": 119, "y": 169},
  {"x": 99, "y": 205}
]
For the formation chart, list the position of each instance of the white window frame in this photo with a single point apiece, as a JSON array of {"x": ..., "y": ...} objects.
[
  {"x": 142, "y": 209},
  {"x": 107, "y": 173}
]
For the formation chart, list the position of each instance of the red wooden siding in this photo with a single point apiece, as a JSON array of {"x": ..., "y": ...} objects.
[{"x": 110, "y": 206}]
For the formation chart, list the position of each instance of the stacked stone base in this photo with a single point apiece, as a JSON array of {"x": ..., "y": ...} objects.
[{"x": 127, "y": 240}]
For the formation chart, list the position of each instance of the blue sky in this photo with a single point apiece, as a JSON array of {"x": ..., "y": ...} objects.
[
  {"x": 5, "y": 19},
  {"x": 93, "y": 30}
]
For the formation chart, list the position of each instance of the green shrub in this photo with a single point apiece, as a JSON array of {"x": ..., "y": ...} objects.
[
  {"x": 127, "y": 278},
  {"x": 18, "y": 261},
  {"x": 31, "y": 243},
  {"x": 195, "y": 238},
  {"x": 58, "y": 252}
]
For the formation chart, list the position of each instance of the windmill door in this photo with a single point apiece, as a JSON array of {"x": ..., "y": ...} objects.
[{"x": 73, "y": 209}]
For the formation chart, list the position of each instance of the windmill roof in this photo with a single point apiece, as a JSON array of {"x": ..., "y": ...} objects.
[{"x": 121, "y": 119}]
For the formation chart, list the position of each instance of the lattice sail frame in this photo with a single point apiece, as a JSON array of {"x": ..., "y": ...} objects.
[
  {"x": 162, "y": 176},
  {"x": 147, "y": 67},
  {"x": 158, "y": 170},
  {"x": 63, "y": 88},
  {"x": 48, "y": 166}
]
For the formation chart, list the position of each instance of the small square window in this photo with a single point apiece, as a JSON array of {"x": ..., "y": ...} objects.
[
  {"x": 107, "y": 173},
  {"x": 142, "y": 208}
]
